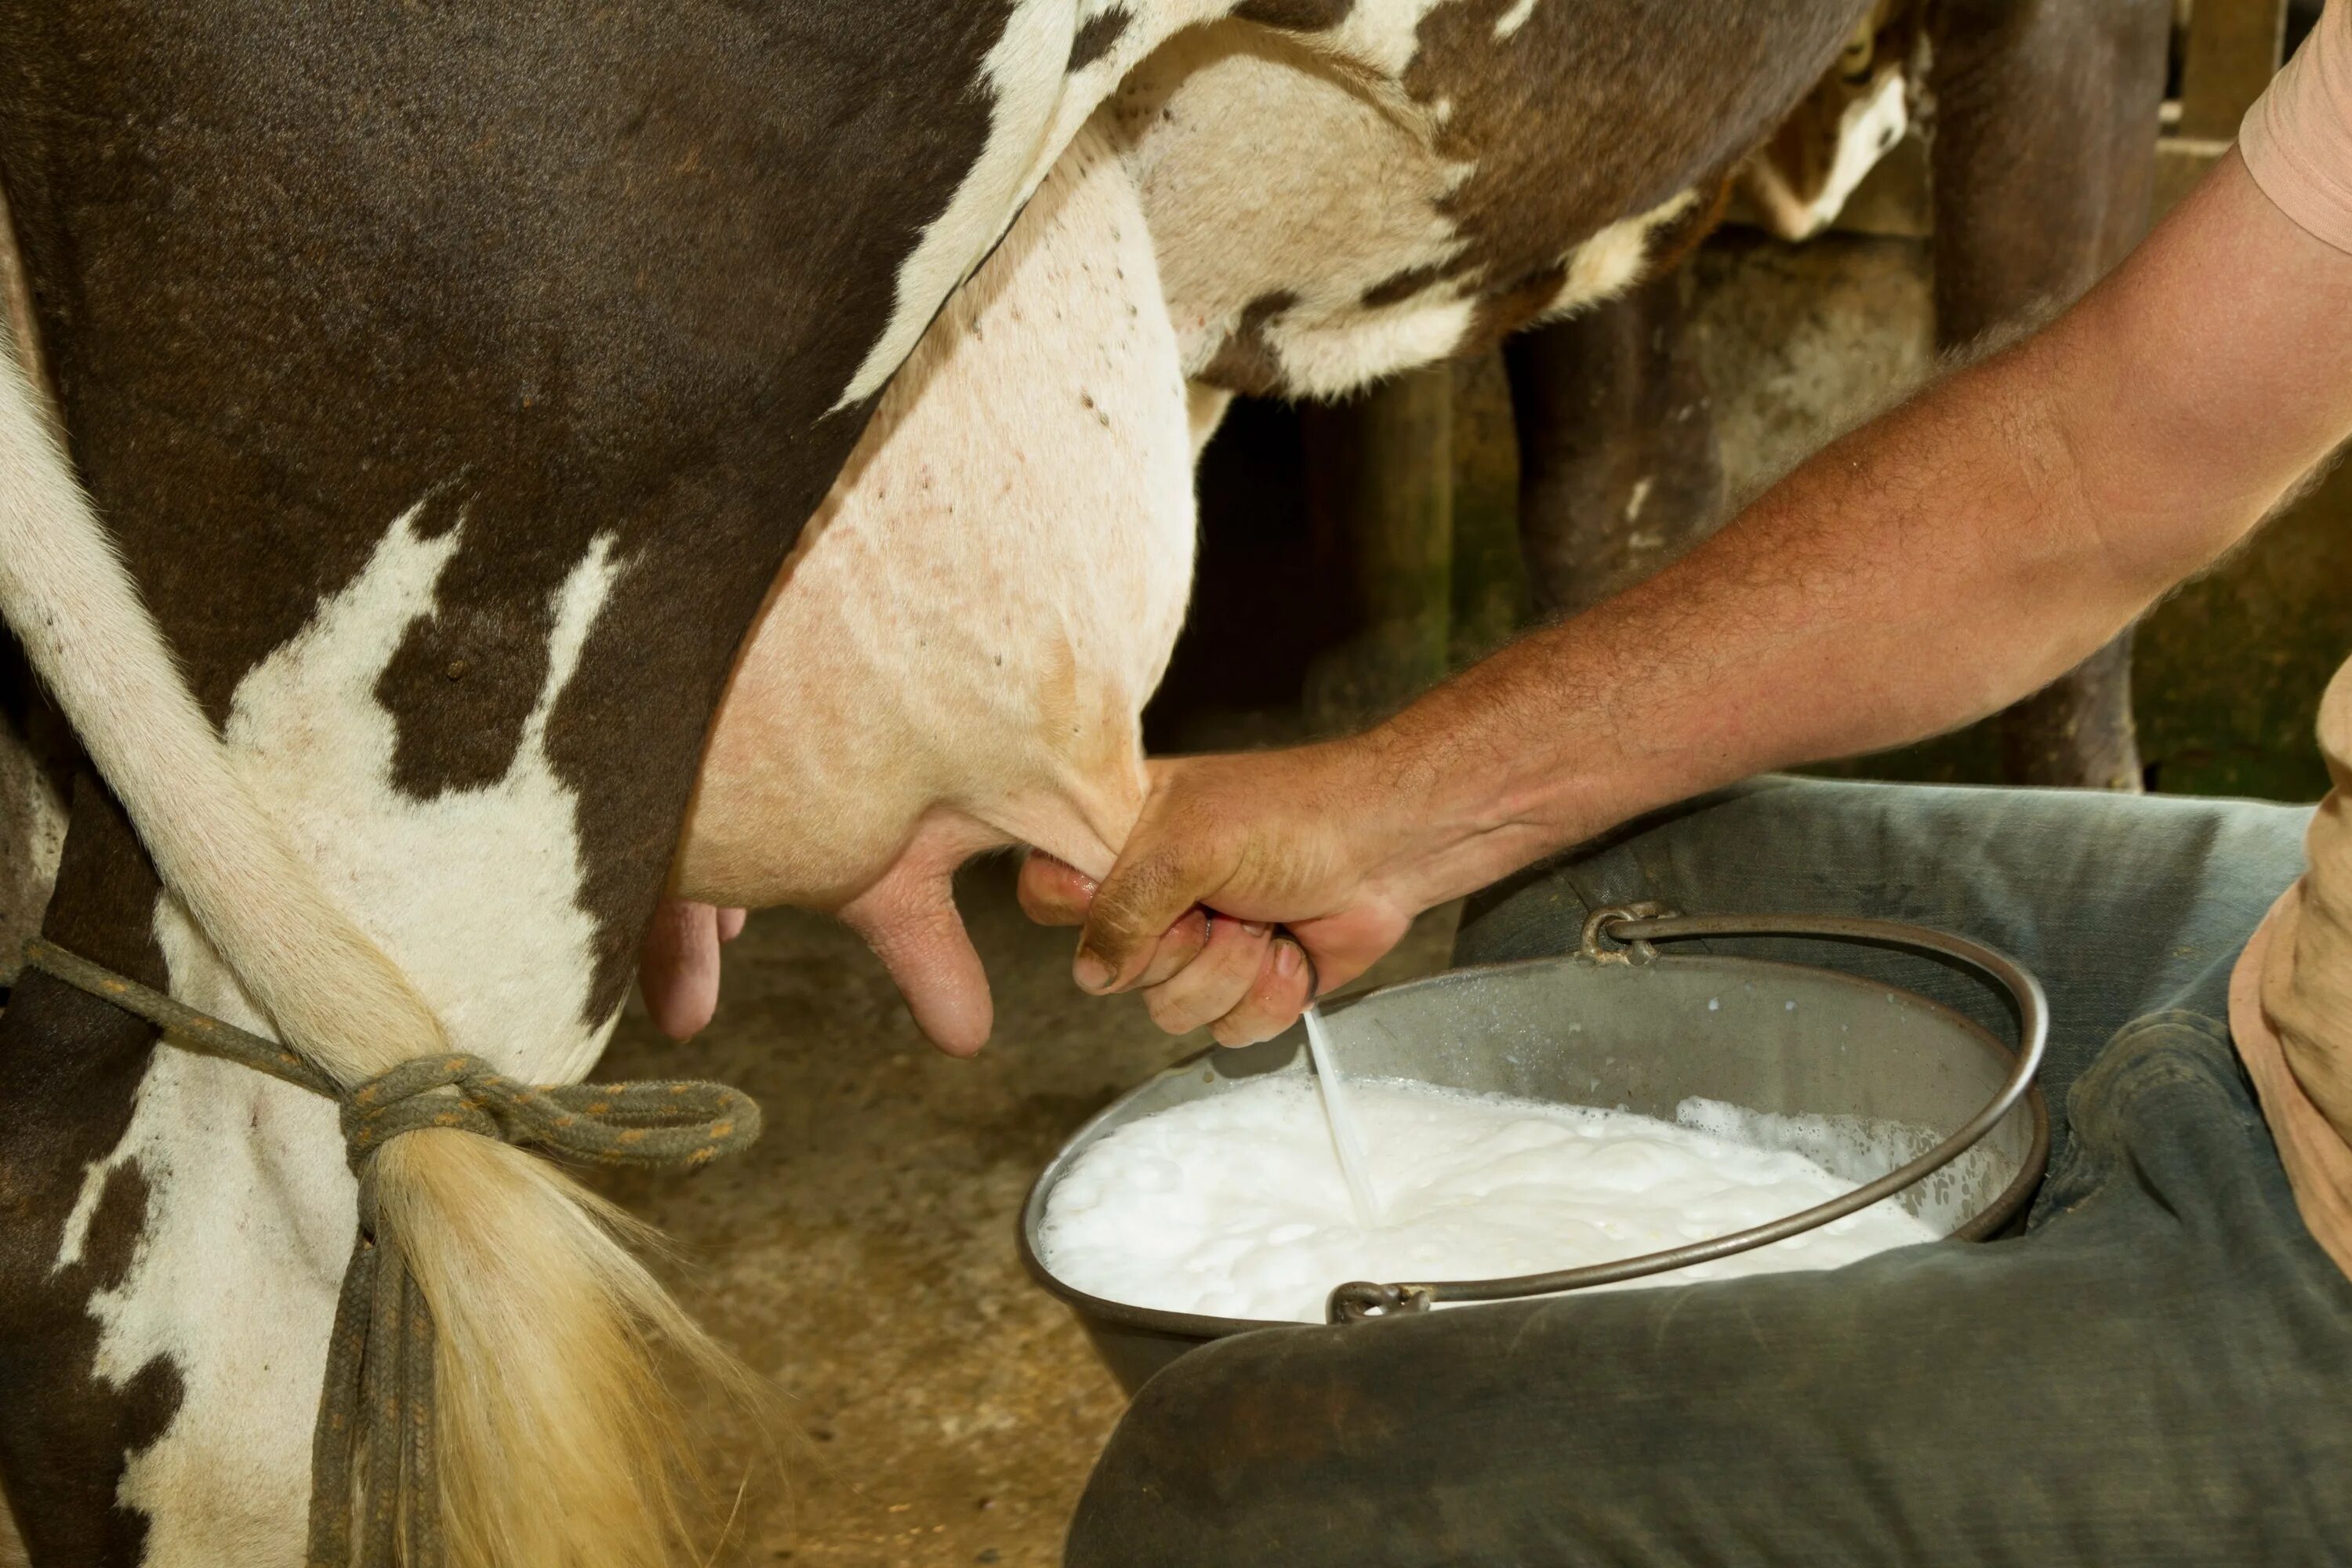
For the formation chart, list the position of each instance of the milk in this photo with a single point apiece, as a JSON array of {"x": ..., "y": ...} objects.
[
  {"x": 1236, "y": 1205},
  {"x": 1347, "y": 1134}
]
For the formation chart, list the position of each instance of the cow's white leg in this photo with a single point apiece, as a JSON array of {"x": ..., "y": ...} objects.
[{"x": 1204, "y": 410}]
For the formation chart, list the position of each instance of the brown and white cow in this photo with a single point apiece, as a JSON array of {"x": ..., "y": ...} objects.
[
  {"x": 1344, "y": 238},
  {"x": 447, "y": 390}
]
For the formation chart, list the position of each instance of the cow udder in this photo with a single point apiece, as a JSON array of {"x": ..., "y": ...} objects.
[{"x": 957, "y": 655}]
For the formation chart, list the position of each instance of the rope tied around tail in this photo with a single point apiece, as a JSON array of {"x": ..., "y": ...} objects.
[{"x": 377, "y": 1409}]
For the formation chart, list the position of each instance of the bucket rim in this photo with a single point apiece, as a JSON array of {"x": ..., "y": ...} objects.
[{"x": 1989, "y": 1220}]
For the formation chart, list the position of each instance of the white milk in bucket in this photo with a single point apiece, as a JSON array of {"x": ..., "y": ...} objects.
[{"x": 1235, "y": 1206}]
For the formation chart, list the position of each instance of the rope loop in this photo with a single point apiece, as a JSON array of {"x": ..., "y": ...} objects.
[
  {"x": 605, "y": 1125},
  {"x": 375, "y": 1412}
]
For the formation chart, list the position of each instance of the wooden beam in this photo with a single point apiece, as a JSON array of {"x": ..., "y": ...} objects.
[{"x": 2233, "y": 51}]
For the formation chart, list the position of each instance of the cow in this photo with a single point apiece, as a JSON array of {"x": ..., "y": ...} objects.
[{"x": 447, "y": 392}]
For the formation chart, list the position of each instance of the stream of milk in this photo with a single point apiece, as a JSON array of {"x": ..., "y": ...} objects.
[
  {"x": 1236, "y": 1205},
  {"x": 1347, "y": 1135}
]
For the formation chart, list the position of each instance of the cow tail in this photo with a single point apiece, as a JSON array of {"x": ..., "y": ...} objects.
[
  {"x": 561, "y": 1445},
  {"x": 562, "y": 1440}
]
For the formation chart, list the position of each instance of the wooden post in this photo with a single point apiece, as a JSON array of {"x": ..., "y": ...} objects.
[
  {"x": 2234, "y": 52},
  {"x": 1380, "y": 485}
]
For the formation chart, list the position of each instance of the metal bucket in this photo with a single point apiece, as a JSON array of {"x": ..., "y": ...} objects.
[{"x": 1632, "y": 1029}]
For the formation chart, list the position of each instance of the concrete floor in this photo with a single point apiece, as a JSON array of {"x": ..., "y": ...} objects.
[{"x": 938, "y": 1407}]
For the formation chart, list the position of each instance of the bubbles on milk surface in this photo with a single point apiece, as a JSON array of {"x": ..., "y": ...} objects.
[{"x": 1235, "y": 1206}]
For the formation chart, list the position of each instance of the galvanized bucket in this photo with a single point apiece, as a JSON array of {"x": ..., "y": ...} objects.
[{"x": 1627, "y": 1027}]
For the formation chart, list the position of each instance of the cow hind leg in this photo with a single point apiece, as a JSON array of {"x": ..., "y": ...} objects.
[
  {"x": 548, "y": 1323},
  {"x": 2044, "y": 166},
  {"x": 1619, "y": 467}
]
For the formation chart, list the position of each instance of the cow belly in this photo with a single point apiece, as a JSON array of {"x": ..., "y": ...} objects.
[{"x": 958, "y": 653}]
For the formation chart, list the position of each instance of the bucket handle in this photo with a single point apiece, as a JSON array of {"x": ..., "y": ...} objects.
[{"x": 1637, "y": 926}]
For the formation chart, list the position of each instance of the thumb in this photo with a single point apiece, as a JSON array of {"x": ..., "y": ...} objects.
[
  {"x": 909, "y": 920},
  {"x": 1156, "y": 882}
]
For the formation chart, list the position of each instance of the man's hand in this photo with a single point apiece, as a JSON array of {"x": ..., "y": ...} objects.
[{"x": 1248, "y": 881}]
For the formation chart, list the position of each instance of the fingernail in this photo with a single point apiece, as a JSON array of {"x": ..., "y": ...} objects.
[
  {"x": 1091, "y": 972},
  {"x": 1256, "y": 929},
  {"x": 1285, "y": 960}
]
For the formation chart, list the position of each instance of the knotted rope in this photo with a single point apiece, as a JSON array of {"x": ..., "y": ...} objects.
[{"x": 375, "y": 1410}]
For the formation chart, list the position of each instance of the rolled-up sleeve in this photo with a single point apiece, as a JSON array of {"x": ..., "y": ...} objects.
[{"x": 2297, "y": 138}]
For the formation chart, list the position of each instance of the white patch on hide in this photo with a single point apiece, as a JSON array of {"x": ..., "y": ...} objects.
[
  {"x": 1613, "y": 260},
  {"x": 1797, "y": 203},
  {"x": 1512, "y": 20},
  {"x": 1024, "y": 77},
  {"x": 1204, "y": 411},
  {"x": 1331, "y": 358},
  {"x": 1383, "y": 34},
  {"x": 474, "y": 894},
  {"x": 1333, "y": 194}
]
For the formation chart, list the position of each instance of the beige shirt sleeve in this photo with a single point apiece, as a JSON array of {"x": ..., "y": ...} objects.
[
  {"x": 2297, "y": 144},
  {"x": 2297, "y": 138}
]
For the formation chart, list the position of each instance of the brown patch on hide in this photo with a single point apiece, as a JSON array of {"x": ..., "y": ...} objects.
[
  {"x": 1399, "y": 287},
  {"x": 1677, "y": 240},
  {"x": 1096, "y": 36},
  {"x": 1502, "y": 311},
  {"x": 1246, "y": 362},
  {"x": 69, "y": 1068},
  {"x": 1593, "y": 113},
  {"x": 1295, "y": 16}
]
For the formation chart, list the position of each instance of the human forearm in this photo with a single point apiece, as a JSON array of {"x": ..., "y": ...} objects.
[
  {"x": 1945, "y": 559},
  {"x": 1925, "y": 570},
  {"x": 1917, "y": 575},
  {"x": 1847, "y": 609}
]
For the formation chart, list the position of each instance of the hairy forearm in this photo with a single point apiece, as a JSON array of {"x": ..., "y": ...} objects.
[
  {"x": 1912, "y": 577},
  {"x": 1932, "y": 567},
  {"x": 1924, "y": 571}
]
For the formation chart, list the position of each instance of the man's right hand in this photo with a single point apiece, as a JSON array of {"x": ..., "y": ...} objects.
[{"x": 1238, "y": 865}]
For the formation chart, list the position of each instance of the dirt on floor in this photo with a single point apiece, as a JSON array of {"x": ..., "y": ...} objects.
[{"x": 938, "y": 1407}]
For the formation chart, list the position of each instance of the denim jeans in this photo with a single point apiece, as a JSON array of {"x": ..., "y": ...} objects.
[{"x": 2157, "y": 1369}]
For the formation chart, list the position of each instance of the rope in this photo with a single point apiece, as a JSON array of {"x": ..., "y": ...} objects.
[{"x": 375, "y": 1410}]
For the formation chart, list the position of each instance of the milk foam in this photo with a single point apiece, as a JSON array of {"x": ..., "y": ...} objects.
[{"x": 1235, "y": 1206}]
